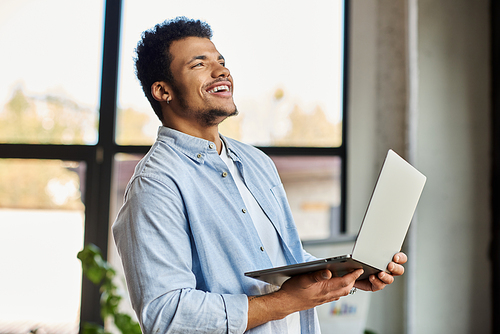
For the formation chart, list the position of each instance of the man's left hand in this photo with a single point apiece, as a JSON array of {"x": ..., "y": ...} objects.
[{"x": 379, "y": 281}]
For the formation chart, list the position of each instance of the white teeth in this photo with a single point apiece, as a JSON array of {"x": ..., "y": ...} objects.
[{"x": 219, "y": 88}]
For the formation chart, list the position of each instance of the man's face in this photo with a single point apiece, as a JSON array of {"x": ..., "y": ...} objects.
[{"x": 203, "y": 86}]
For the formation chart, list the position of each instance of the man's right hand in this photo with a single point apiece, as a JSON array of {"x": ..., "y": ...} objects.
[
  {"x": 309, "y": 290},
  {"x": 300, "y": 292}
]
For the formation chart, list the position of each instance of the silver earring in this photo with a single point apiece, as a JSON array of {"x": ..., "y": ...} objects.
[{"x": 168, "y": 101}]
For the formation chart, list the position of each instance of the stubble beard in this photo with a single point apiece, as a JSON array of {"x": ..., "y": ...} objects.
[
  {"x": 213, "y": 117},
  {"x": 206, "y": 116}
]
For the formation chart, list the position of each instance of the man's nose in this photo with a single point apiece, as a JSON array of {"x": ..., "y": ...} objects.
[{"x": 220, "y": 71}]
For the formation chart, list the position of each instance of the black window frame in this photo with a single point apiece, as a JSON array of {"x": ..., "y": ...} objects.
[
  {"x": 495, "y": 164},
  {"x": 99, "y": 158}
]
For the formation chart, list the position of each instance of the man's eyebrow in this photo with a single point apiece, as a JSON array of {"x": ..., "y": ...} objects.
[
  {"x": 195, "y": 58},
  {"x": 203, "y": 57}
]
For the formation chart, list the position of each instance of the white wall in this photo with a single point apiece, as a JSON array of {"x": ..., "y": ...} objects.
[
  {"x": 452, "y": 274},
  {"x": 453, "y": 277}
]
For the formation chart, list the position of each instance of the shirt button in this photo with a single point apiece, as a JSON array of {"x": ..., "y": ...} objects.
[
  {"x": 199, "y": 155},
  {"x": 261, "y": 248},
  {"x": 244, "y": 210},
  {"x": 212, "y": 146},
  {"x": 224, "y": 174}
]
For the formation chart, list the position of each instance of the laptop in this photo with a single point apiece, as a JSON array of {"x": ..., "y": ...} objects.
[{"x": 382, "y": 232}]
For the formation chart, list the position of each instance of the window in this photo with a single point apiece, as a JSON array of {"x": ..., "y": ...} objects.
[
  {"x": 71, "y": 132},
  {"x": 50, "y": 71},
  {"x": 41, "y": 230},
  {"x": 49, "y": 89}
]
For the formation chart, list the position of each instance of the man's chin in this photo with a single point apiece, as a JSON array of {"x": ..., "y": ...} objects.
[
  {"x": 234, "y": 113},
  {"x": 216, "y": 116}
]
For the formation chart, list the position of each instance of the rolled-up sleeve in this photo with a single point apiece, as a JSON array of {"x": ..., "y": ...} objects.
[
  {"x": 153, "y": 238},
  {"x": 195, "y": 311}
]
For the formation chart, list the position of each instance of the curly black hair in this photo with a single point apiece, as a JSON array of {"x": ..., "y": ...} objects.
[{"x": 152, "y": 61}]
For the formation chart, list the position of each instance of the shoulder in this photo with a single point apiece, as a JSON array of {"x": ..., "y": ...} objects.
[
  {"x": 161, "y": 160},
  {"x": 159, "y": 166}
]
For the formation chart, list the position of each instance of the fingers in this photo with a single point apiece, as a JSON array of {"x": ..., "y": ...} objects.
[
  {"x": 326, "y": 275},
  {"x": 355, "y": 274},
  {"x": 385, "y": 278},
  {"x": 341, "y": 286},
  {"x": 318, "y": 276},
  {"x": 400, "y": 258},
  {"x": 382, "y": 279},
  {"x": 307, "y": 280},
  {"x": 396, "y": 267},
  {"x": 323, "y": 275},
  {"x": 377, "y": 283}
]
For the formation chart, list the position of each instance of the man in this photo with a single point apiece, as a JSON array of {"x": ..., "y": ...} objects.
[{"x": 202, "y": 209}]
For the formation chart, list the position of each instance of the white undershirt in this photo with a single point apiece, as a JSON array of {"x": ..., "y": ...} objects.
[{"x": 264, "y": 227}]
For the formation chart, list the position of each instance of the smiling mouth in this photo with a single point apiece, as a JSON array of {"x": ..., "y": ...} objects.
[{"x": 221, "y": 88}]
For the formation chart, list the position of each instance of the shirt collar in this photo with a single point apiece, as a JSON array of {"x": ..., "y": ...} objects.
[
  {"x": 195, "y": 148},
  {"x": 229, "y": 149}
]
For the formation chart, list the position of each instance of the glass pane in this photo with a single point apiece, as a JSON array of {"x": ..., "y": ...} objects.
[
  {"x": 50, "y": 68},
  {"x": 41, "y": 232},
  {"x": 123, "y": 168},
  {"x": 312, "y": 185},
  {"x": 286, "y": 60}
]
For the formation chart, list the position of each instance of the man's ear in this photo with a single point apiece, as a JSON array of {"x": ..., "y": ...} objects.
[{"x": 161, "y": 91}]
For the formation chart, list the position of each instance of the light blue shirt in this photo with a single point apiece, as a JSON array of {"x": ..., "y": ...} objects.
[{"x": 186, "y": 239}]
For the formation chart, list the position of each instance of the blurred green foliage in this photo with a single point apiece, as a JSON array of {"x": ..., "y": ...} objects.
[{"x": 100, "y": 272}]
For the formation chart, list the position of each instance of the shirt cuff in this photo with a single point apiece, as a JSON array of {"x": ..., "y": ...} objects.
[{"x": 236, "y": 311}]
